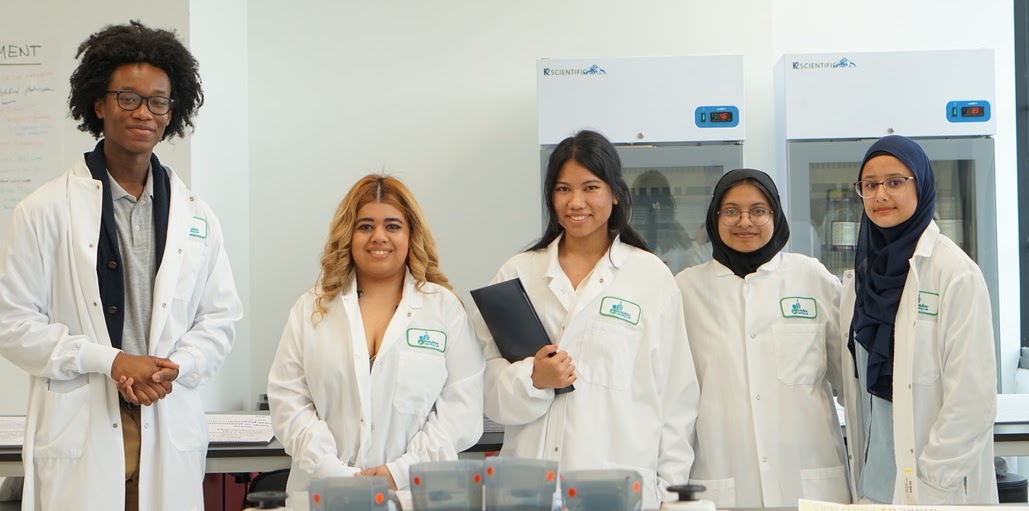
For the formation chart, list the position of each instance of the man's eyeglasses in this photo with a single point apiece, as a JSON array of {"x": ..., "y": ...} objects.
[
  {"x": 894, "y": 185},
  {"x": 158, "y": 105},
  {"x": 732, "y": 216}
]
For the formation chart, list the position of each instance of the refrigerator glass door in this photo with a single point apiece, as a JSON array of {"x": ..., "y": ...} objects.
[
  {"x": 824, "y": 211},
  {"x": 671, "y": 187}
]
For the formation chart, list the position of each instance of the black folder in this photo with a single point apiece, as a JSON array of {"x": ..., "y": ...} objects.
[{"x": 512, "y": 320}]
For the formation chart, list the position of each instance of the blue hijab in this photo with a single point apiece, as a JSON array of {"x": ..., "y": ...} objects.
[{"x": 881, "y": 265}]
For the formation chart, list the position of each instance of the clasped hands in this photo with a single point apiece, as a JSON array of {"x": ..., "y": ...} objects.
[{"x": 143, "y": 380}]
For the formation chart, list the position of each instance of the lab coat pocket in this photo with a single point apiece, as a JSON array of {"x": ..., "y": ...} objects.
[
  {"x": 183, "y": 420},
  {"x": 193, "y": 257},
  {"x": 63, "y": 419},
  {"x": 926, "y": 358},
  {"x": 608, "y": 355},
  {"x": 826, "y": 484},
  {"x": 720, "y": 491},
  {"x": 420, "y": 379},
  {"x": 799, "y": 353}
]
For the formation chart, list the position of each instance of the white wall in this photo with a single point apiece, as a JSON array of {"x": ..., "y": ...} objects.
[{"x": 221, "y": 169}]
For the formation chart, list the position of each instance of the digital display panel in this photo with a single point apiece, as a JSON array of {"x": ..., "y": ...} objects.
[
  {"x": 972, "y": 111},
  {"x": 721, "y": 116}
]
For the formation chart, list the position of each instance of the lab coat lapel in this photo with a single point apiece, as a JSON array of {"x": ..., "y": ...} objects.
[
  {"x": 601, "y": 277},
  {"x": 557, "y": 281},
  {"x": 179, "y": 216},
  {"x": 85, "y": 199},
  {"x": 350, "y": 314},
  {"x": 410, "y": 303}
]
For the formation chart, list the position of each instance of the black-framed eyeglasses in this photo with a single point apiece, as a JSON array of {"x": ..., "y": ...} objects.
[
  {"x": 732, "y": 216},
  {"x": 128, "y": 100},
  {"x": 866, "y": 189}
]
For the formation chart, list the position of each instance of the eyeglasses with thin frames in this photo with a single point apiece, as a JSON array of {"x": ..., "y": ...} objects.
[
  {"x": 127, "y": 100},
  {"x": 866, "y": 189},
  {"x": 732, "y": 216}
]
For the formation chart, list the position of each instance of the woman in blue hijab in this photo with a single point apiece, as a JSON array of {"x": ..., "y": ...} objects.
[{"x": 919, "y": 374}]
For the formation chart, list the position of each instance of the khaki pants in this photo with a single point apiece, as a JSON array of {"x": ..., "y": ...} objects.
[{"x": 130, "y": 433}]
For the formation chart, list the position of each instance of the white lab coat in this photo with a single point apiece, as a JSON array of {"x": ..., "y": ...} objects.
[
  {"x": 944, "y": 380},
  {"x": 766, "y": 348},
  {"x": 635, "y": 398},
  {"x": 52, "y": 326},
  {"x": 421, "y": 401}
]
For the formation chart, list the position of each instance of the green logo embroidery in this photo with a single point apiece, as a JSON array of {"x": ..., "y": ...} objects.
[
  {"x": 427, "y": 339},
  {"x": 928, "y": 303},
  {"x": 620, "y": 308},
  {"x": 199, "y": 228},
  {"x": 798, "y": 307}
]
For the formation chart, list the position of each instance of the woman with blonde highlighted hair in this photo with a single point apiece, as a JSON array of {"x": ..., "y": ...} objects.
[{"x": 378, "y": 367}]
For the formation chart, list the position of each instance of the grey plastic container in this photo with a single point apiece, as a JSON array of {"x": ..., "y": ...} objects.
[
  {"x": 517, "y": 484},
  {"x": 350, "y": 494},
  {"x": 602, "y": 490},
  {"x": 447, "y": 486}
]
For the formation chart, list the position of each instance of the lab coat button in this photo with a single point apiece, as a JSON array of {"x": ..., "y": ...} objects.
[
  {"x": 115, "y": 426},
  {"x": 764, "y": 460},
  {"x": 112, "y": 264},
  {"x": 753, "y": 336},
  {"x": 758, "y": 397},
  {"x": 601, "y": 280},
  {"x": 147, "y": 425},
  {"x": 556, "y": 449},
  {"x": 113, "y": 309}
]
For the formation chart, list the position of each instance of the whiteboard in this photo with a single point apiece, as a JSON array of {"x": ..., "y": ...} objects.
[
  {"x": 31, "y": 113},
  {"x": 30, "y": 110}
]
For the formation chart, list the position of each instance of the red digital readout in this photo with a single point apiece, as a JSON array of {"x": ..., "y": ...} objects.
[
  {"x": 972, "y": 111},
  {"x": 721, "y": 116}
]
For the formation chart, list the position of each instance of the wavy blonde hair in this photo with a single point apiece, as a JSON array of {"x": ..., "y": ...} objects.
[{"x": 338, "y": 265}]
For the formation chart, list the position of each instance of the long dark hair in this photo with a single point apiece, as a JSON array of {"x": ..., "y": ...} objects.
[{"x": 595, "y": 152}]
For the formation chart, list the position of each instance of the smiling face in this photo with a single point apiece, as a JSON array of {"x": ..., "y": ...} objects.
[
  {"x": 380, "y": 241},
  {"x": 134, "y": 132},
  {"x": 582, "y": 202},
  {"x": 745, "y": 237},
  {"x": 883, "y": 209}
]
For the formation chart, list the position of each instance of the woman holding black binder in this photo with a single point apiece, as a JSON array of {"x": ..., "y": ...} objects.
[
  {"x": 614, "y": 315},
  {"x": 378, "y": 367}
]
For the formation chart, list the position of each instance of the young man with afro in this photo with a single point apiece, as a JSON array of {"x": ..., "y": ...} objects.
[{"x": 116, "y": 295}]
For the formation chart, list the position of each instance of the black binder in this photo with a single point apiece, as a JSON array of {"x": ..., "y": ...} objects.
[{"x": 512, "y": 320}]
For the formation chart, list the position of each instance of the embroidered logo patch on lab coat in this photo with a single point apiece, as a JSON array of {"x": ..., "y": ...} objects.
[
  {"x": 798, "y": 307},
  {"x": 928, "y": 303},
  {"x": 198, "y": 228},
  {"x": 621, "y": 309},
  {"x": 428, "y": 339}
]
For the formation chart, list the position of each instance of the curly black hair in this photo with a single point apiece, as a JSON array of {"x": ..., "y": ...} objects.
[{"x": 116, "y": 45}]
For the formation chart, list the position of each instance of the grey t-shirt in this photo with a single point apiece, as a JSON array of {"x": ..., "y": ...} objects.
[{"x": 136, "y": 241}]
